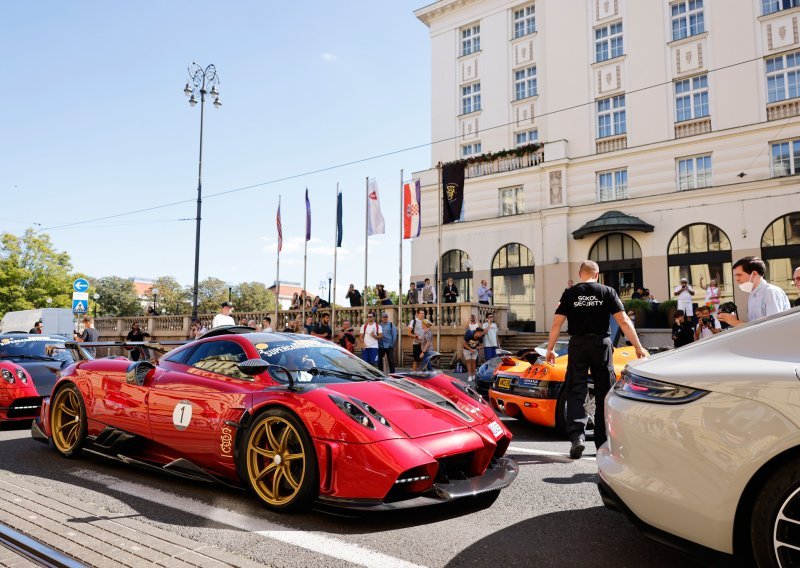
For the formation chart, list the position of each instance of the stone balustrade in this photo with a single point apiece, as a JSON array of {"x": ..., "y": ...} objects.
[{"x": 504, "y": 164}]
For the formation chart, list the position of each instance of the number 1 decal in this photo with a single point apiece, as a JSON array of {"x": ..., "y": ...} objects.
[{"x": 182, "y": 415}]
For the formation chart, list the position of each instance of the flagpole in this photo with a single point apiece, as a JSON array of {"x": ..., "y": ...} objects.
[
  {"x": 400, "y": 281},
  {"x": 335, "y": 251},
  {"x": 366, "y": 251},
  {"x": 278, "y": 277},
  {"x": 439, "y": 198},
  {"x": 305, "y": 263}
]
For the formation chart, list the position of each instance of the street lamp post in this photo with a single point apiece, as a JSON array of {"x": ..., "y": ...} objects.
[
  {"x": 201, "y": 82},
  {"x": 96, "y": 297},
  {"x": 155, "y": 300},
  {"x": 330, "y": 277}
]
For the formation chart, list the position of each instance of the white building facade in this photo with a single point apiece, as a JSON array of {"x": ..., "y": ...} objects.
[{"x": 668, "y": 145}]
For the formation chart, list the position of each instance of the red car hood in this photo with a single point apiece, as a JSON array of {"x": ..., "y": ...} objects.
[{"x": 415, "y": 410}]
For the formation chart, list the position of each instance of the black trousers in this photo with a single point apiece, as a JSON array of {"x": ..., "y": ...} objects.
[
  {"x": 588, "y": 354},
  {"x": 387, "y": 352}
]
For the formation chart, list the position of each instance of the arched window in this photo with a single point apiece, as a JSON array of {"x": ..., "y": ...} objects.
[
  {"x": 701, "y": 252},
  {"x": 620, "y": 259},
  {"x": 514, "y": 286},
  {"x": 780, "y": 249},
  {"x": 457, "y": 265}
]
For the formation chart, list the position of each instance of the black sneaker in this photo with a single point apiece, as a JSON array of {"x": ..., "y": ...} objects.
[{"x": 576, "y": 451}]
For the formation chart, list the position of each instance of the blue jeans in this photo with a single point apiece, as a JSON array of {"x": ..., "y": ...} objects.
[
  {"x": 370, "y": 355},
  {"x": 426, "y": 361},
  {"x": 489, "y": 352}
]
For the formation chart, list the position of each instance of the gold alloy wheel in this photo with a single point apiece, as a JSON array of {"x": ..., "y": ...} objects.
[
  {"x": 67, "y": 421},
  {"x": 276, "y": 460}
]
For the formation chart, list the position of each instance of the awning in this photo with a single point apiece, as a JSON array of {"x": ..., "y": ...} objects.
[{"x": 613, "y": 221}]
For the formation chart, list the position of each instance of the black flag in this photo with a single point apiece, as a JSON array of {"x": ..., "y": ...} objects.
[{"x": 452, "y": 192}]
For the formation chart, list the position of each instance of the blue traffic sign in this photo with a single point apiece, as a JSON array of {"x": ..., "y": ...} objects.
[
  {"x": 79, "y": 306},
  {"x": 80, "y": 285}
]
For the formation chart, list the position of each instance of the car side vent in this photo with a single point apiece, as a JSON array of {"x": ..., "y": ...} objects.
[{"x": 137, "y": 372}]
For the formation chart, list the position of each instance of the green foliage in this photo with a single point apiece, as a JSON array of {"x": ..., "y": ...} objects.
[
  {"x": 117, "y": 297},
  {"x": 172, "y": 297},
  {"x": 31, "y": 271},
  {"x": 637, "y": 305},
  {"x": 370, "y": 295},
  {"x": 211, "y": 292},
  {"x": 253, "y": 297},
  {"x": 667, "y": 305}
]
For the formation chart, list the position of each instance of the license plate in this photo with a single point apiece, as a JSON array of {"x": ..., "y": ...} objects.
[
  {"x": 504, "y": 383},
  {"x": 496, "y": 429}
]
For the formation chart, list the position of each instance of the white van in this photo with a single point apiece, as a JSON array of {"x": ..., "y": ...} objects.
[{"x": 55, "y": 321}]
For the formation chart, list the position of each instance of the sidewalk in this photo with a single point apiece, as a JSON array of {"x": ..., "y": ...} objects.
[{"x": 86, "y": 534}]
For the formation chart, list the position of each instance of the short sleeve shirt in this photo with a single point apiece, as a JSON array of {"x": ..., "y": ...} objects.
[
  {"x": 587, "y": 306},
  {"x": 323, "y": 330}
]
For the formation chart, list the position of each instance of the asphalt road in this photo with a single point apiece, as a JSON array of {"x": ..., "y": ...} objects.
[{"x": 551, "y": 516}]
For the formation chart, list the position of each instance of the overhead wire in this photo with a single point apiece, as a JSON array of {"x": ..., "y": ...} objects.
[{"x": 377, "y": 156}]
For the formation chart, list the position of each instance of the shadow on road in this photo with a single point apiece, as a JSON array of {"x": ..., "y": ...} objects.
[{"x": 584, "y": 537}]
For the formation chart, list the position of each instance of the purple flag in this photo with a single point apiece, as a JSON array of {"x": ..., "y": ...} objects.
[{"x": 308, "y": 217}]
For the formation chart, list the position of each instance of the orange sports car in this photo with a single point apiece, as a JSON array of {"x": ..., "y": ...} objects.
[{"x": 526, "y": 387}]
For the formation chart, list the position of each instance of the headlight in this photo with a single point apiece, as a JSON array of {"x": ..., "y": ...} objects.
[
  {"x": 649, "y": 390},
  {"x": 353, "y": 411},
  {"x": 9, "y": 378},
  {"x": 21, "y": 375}
]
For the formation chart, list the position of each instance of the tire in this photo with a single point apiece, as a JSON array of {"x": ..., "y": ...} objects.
[
  {"x": 561, "y": 412},
  {"x": 778, "y": 499},
  {"x": 279, "y": 462},
  {"x": 68, "y": 421}
]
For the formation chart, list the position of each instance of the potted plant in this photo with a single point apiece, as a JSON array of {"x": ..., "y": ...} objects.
[
  {"x": 639, "y": 308},
  {"x": 668, "y": 308}
]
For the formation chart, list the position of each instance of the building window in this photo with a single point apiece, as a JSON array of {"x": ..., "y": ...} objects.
[
  {"x": 471, "y": 149},
  {"x": 772, "y": 6},
  {"x": 514, "y": 285},
  {"x": 470, "y": 39},
  {"x": 780, "y": 249},
  {"x": 524, "y": 21},
  {"x": 525, "y": 83},
  {"x": 687, "y": 19},
  {"x": 526, "y": 137},
  {"x": 612, "y": 185},
  {"x": 470, "y": 98},
  {"x": 691, "y": 98},
  {"x": 608, "y": 42},
  {"x": 694, "y": 173},
  {"x": 782, "y": 77},
  {"x": 611, "y": 116},
  {"x": 511, "y": 201},
  {"x": 785, "y": 158},
  {"x": 700, "y": 253}
]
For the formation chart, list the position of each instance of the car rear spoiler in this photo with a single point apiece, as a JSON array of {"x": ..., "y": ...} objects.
[{"x": 159, "y": 346}]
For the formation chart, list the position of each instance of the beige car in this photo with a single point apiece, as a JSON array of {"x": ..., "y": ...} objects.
[{"x": 704, "y": 444}]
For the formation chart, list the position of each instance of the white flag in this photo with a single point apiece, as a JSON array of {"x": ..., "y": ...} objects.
[{"x": 377, "y": 226}]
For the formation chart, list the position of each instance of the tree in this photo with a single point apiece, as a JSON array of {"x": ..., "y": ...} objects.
[
  {"x": 211, "y": 292},
  {"x": 172, "y": 297},
  {"x": 371, "y": 296},
  {"x": 31, "y": 271},
  {"x": 253, "y": 297},
  {"x": 117, "y": 297}
]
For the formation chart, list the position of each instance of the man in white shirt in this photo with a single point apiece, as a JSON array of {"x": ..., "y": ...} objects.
[
  {"x": 684, "y": 293},
  {"x": 473, "y": 323},
  {"x": 416, "y": 331},
  {"x": 707, "y": 325},
  {"x": 490, "y": 343},
  {"x": 224, "y": 316},
  {"x": 370, "y": 336},
  {"x": 765, "y": 299}
]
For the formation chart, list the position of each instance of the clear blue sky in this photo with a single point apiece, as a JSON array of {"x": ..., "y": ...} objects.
[{"x": 95, "y": 123}]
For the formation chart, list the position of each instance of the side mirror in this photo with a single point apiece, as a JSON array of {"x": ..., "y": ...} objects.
[{"x": 253, "y": 367}]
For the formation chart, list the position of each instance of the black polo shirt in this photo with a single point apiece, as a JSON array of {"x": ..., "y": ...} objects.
[{"x": 588, "y": 306}]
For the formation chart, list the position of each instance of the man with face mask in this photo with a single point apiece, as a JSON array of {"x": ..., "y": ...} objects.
[{"x": 765, "y": 299}]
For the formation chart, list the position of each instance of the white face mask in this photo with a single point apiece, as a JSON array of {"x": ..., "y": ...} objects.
[{"x": 746, "y": 287}]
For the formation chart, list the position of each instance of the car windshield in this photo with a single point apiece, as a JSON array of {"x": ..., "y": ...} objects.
[
  {"x": 313, "y": 360},
  {"x": 560, "y": 349},
  {"x": 35, "y": 348}
]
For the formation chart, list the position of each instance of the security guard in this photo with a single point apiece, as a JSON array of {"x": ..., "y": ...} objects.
[{"x": 587, "y": 306}]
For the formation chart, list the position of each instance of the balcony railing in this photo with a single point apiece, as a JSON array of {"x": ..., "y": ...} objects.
[
  {"x": 783, "y": 109},
  {"x": 692, "y": 127},
  {"x": 505, "y": 164},
  {"x": 612, "y": 143}
]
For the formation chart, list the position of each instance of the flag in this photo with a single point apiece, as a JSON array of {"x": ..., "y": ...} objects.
[
  {"x": 308, "y": 217},
  {"x": 452, "y": 192},
  {"x": 411, "y": 213},
  {"x": 339, "y": 218},
  {"x": 280, "y": 228},
  {"x": 376, "y": 223}
]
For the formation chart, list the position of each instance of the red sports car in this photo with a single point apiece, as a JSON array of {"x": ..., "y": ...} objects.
[
  {"x": 294, "y": 418},
  {"x": 19, "y": 399}
]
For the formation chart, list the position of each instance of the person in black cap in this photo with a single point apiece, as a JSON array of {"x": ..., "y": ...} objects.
[
  {"x": 587, "y": 306},
  {"x": 224, "y": 316}
]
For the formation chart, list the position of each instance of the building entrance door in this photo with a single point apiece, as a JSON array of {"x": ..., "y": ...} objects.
[{"x": 623, "y": 281}]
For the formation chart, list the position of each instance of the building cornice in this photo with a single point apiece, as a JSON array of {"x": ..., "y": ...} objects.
[{"x": 432, "y": 11}]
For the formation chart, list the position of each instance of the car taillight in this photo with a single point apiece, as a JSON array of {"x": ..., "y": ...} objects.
[{"x": 650, "y": 390}]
